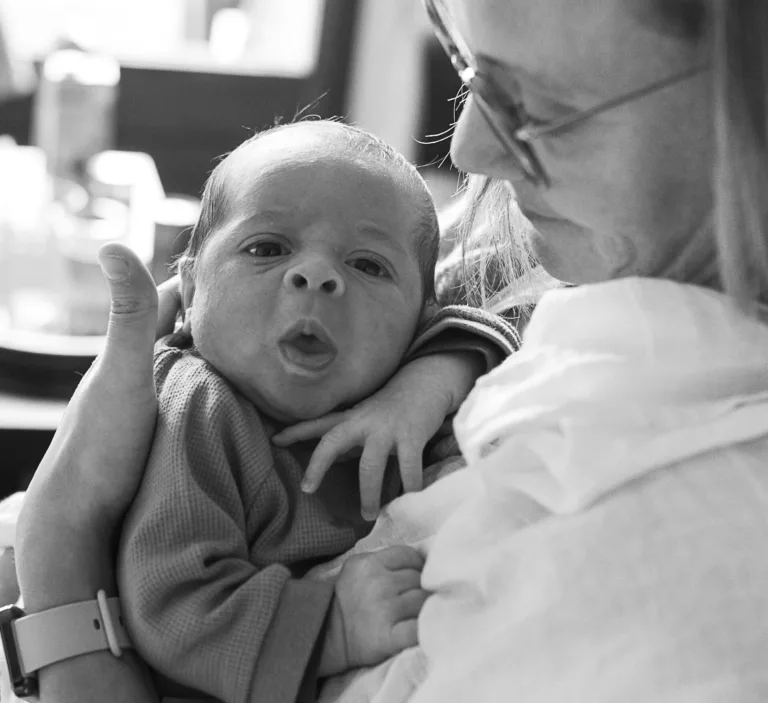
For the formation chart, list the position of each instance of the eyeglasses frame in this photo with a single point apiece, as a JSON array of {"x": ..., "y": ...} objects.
[{"x": 507, "y": 117}]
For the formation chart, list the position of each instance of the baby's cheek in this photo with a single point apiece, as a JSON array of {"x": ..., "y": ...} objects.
[
  {"x": 210, "y": 330},
  {"x": 384, "y": 350}
]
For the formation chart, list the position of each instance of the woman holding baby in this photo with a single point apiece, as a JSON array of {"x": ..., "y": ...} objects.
[{"x": 609, "y": 544}]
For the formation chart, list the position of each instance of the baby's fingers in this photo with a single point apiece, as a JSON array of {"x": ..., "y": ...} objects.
[
  {"x": 309, "y": 429},
  {"x": 405, "y": 580},
  {"x": 409, "y": 604},
  {"x": 373, "y": 463},
  {"x": 400, "y": 557},
  {"x": 405, "y": 634},
  {"x": 411, "y": 472},
  {"x": 335, "y": 443}
]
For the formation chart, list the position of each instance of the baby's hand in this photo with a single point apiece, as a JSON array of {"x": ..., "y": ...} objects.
[
  {"x": 373, "y": 616},
  {"x": 399, "y": 419}
]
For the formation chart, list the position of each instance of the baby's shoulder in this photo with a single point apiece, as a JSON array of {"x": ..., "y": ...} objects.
[{"x": 182, "y": 366}]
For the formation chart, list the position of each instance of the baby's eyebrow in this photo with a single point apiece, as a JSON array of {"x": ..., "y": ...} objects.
[
  {"x": 269, "y": 214},
  {"x": 380, "y": 235},
  {"x": 257, "y": 218}
]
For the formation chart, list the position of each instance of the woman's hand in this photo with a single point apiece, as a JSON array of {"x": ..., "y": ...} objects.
[
  {"x": 91, "y": 472},
  {"x": 399, "y": 419}
]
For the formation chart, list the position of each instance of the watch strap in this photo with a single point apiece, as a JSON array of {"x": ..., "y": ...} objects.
[{"x": 68, "y": 631}]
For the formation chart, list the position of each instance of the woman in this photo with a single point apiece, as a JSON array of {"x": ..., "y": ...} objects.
[{"x": 620, "y": 579}]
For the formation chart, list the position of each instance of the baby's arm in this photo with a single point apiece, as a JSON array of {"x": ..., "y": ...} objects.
[
  {"x": 198, "y": 610},
  {"x": 453, "y": 348},
  {"x": 462, "y": 328}
]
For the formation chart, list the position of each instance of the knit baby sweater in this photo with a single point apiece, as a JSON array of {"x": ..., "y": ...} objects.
[{"x": 220, "y": 534}]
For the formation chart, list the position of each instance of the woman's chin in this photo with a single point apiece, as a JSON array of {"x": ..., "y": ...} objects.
[{"x": 567, "y": 251}]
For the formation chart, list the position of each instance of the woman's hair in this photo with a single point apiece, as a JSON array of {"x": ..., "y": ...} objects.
[
  {"x": 740, "y": 80},
  {"x": 738, "y": 34},
  {"x": 498, "y": 270}
]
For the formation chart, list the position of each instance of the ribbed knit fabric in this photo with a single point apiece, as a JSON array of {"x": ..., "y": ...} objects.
[
  {"x": 464, "y": 328},
  {"x": 220, "y": 533},
  {"x": 215, "y": 534}
]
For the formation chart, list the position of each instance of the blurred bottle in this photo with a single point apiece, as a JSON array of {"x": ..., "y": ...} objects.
[
  {"x": 113, "y": 174},
  {"x": 130, "y": 177},
  {"x": 80, "y": 232},
  {"x": 16, "y": 77},
  {"x": 122, "y": 192},
  {"x": 175, "y": 217},
  {"x": 28, "y": 275},
  {"x": 74, "y": 110}
]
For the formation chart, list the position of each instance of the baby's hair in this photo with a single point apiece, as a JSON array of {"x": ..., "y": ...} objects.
[{"x": 214, "y": 199}]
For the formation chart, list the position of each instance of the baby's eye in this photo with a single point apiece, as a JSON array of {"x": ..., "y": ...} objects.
[
  {"x": 369, "y": 267},
  {"x": 266, "y": 249}
]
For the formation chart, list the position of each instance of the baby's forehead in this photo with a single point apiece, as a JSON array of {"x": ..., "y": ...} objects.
[
  {"x": 302, "y": 155},
  {"x": 305, "y": 143},
  {"x": 310, "y": 172}
]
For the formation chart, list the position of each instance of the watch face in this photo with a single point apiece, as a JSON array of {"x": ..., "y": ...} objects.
[{"x": 22, "y": 686}]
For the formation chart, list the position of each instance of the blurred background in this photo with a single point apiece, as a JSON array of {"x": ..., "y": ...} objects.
[{"x": 112, "y": 114}]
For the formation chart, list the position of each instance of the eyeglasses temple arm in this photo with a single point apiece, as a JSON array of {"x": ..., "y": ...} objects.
[{"x": 528, "y": 133}]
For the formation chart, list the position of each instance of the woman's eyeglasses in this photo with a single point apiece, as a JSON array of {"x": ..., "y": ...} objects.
[{"x": 505, "y": 113}]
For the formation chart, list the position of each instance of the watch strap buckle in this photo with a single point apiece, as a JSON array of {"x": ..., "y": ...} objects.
[
  {"x": 34, "y": 641},
  {"x": 22, "y": 683}
]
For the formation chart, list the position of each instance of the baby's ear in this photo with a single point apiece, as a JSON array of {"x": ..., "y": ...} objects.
[
  {"x": 429, "y": 311},
  {"x": 185, "y": 267},
  {"x": 182, "y": 337}
]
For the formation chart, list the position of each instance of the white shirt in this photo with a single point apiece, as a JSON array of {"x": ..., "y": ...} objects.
[{"x": 613, "y": 543}]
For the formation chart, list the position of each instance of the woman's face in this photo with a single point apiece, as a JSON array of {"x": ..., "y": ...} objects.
[{"x": 630, "y": 188}]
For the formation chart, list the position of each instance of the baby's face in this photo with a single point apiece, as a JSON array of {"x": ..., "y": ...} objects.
[{"x": 309, "y": 293}]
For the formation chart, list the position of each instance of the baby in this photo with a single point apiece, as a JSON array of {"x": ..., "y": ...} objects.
[{"x": 303, "y": 285}]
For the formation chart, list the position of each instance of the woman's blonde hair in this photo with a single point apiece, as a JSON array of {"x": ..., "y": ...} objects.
[
  {"x": 740, "y": 81},
  {"x": 499, "y": 271}
]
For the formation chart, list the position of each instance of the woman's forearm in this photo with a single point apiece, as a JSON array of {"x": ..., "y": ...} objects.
[
  {"x": 95, "y": 678},
  {"x": 58, "y": 564},
  {"x": 79, "y": 494},
  {"x": 72, "y": 568}
]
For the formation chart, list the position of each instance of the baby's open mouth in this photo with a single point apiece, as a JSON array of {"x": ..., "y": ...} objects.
[{"x": 308, "y": 346}]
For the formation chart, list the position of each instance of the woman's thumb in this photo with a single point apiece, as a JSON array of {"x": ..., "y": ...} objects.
[{"x": 133, "y": 316}]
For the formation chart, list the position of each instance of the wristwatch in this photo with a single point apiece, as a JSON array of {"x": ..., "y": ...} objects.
[{"x": 31, "y": 642}]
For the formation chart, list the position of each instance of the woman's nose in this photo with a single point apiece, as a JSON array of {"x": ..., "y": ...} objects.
[
  {"x": 316, "y": 275},
  {"x": 476, "y": 149}
]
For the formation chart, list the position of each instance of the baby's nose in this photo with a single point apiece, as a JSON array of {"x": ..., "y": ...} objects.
[{"x": 315, "y": 275}]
